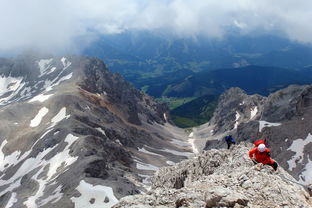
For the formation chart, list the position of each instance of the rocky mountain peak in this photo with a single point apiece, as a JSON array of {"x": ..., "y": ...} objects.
[
  {"x": 283, "y": 119},
  {"x": 221, "y": 178},
  {"x": 234, "y": 107},
  {"x": 73, "y": 134}
]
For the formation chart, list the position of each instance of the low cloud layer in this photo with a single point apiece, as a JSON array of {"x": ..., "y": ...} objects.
[{"x": 58, "y": 24}]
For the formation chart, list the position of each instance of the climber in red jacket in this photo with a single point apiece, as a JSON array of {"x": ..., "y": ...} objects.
[{"x": 261, "y": 154}]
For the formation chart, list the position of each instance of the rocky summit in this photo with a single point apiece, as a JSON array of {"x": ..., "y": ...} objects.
[
  {"x": 221, "y": 178},
  {"x": 283, "y": 119},
  {"x": 73, "y": 134}
]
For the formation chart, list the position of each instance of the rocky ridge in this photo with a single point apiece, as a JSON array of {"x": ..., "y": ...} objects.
[
  {"x": 221, "y": 178},
  {"x": 283, "y": 119}
]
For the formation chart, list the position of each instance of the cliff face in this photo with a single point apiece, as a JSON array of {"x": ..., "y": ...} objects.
[{"x": 221, "y": 178}]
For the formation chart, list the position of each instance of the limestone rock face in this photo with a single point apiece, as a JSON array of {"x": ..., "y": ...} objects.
[{"x": 221, "y": 178}]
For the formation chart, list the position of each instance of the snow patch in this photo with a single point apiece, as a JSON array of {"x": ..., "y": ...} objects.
[
  {"x": 50, "y": 85},
  {"x": 118, "y": 142},
  {"x": 191, "y": 134},
  {"x": 237, "y": 116},
  {"x": 11, "y": 201},
  {"x": 102, "y": 196},
  {"x": 306, "y": 175},
  {"x": 145, "y": 166},
  {"x": 60, "y": 116},
  {"x": 148, "y": 152},
  {"x": 56, "y": 165},
  {"x": 65, "y": 62},
  {"x": 263, "y": 124},
  {"x": 44, "y": 65},
  {"x": 170, "y": 162},
  {"x": 8, "y": 84},
  {"x": 41, "y": 98},
  {"x": 165, "y": 117},
  {"x": 37, "y": 119},
  {"x": 253, "y": 112},
  {"x": 297, "y": 146},
  {"x": 56, "y": 196},
  {"x": 101, "y": 130},
  {"x": 192, "y": 142},
  {"x": 8, "y": 160},
  {"x": 9, "y": 88}
]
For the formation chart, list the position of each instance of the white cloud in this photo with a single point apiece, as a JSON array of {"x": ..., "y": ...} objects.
[{"x": 53, "y": 25}]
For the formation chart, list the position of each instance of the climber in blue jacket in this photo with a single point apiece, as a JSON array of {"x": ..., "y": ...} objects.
[{"x": 229, "y": 140}]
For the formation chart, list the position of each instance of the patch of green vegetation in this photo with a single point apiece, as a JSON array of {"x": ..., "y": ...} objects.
[
  {"x": 183, "y": 122},
  {"x": 197, "y": 66},
  {"x": 145, "y": 88},
  {"x": 195, "y": 112},
  {"x": 174, "y": 102}
]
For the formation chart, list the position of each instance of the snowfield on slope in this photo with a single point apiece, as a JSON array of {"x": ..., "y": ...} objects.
[
  {"x": 37, "y": 119},
  {"x": 298, "y": 147},
  {"x": 253, "y": 112},
  {"x": 9, "y": 88},
  {"x": 94, "y": 196},
  {"x": 40, "y": 98},
  {"x": 263, "y": 124},
  {"x": 50, "y": 168}
]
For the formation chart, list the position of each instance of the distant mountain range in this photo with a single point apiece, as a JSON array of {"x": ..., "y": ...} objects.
[
  {"x": 166, "y": 66},
  {"x": 144, "y": 55},
  {"x": 252, "y": 79},
  {"x": 206, "y": 86}
]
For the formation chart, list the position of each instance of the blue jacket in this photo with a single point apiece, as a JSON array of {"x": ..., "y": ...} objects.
[{"x": 229, "y": 139}]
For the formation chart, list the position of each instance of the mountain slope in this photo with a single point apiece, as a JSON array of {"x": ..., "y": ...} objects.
[
  {"x": 73, "y": 134},
  {"x": 252, "y": 79},
  {"x": 195, "y": 112},
  {"x": 221, "y": 178},
  {"x": 283, "y": 119}
]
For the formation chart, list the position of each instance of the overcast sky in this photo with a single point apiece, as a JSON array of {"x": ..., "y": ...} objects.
[{"x": 58, "y": 24}]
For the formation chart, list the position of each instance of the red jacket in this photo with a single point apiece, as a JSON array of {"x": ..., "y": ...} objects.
[{"x": 261, "y": 157}]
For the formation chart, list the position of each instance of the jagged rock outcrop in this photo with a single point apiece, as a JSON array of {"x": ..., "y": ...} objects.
[
  {"x": 284, "y": 119},
  {"x": 234, "y": 107},
  {"x": 221, "y": 178}
]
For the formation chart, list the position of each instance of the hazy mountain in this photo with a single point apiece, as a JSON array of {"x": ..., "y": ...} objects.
[
  {"x": 144, "y": 56},
  {"x": 252, "y": 79}
]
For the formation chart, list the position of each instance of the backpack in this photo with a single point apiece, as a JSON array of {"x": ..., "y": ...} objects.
[{"x": 260, "y": 141}]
